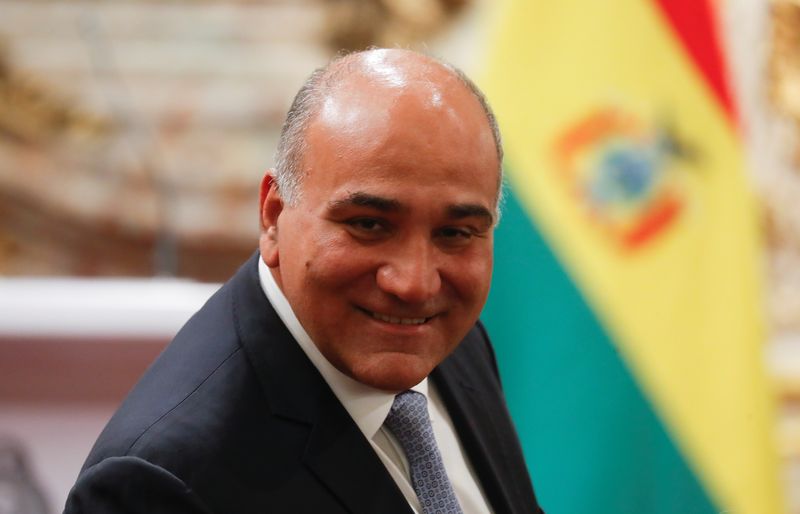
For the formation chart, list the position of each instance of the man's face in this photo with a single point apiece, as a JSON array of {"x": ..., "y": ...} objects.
[{"x": 386, "y": 257}]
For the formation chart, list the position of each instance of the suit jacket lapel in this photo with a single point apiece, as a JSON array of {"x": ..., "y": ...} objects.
[
  {"x": 475, "y": 404},
  {"x": 337, "y": 452},
  {"x": 366, "y": 487}
]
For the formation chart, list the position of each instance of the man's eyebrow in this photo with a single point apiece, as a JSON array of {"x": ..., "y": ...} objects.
[
  {"x": 383, "y": 204},
  {"x": 470, "y": 210},
  {"x": 361, "y": 199}
]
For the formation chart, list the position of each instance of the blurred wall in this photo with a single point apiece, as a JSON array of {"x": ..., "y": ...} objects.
[{"x": 133, "y": 135}]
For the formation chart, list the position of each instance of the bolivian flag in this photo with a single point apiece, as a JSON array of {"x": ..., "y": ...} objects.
[{"x": 626, "y": 307}]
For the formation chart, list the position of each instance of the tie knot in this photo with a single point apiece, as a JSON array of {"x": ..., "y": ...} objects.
[{"x": 408, "y": 418}]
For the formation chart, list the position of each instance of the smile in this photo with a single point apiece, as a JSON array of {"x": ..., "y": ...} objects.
[{"x": 395, "y": 320}]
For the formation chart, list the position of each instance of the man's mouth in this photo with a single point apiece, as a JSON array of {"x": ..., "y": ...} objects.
[{"x": 394, "y": 319}]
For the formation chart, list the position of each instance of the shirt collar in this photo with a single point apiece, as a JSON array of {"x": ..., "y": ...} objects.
[{"x": 367, "y": 405}]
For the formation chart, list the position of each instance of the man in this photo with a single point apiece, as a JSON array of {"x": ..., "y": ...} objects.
[{"x": 342, "y": 369}]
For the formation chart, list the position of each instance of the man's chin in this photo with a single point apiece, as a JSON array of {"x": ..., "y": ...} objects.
[{"x": 393, "y": 372}]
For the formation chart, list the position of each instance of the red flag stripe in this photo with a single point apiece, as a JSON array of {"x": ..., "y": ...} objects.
[{"x": 694, "y": 23}]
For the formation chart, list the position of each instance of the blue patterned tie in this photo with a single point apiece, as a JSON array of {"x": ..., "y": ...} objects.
[{"x": 409, "y": 422}]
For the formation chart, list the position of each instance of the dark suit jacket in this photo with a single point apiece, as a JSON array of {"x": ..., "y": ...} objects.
[{"x": 234, "y": 418}]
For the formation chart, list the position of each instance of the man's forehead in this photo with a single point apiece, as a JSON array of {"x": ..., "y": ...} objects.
[
  {"x": 397, "y": 91},
  {"x": 379, "y": 76},
  {"x": 399, "y": 110}
]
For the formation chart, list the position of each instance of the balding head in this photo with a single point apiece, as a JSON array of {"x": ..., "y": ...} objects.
[
  {"x": 385, "y": 255},
  {"x": 395, "y": 71}
]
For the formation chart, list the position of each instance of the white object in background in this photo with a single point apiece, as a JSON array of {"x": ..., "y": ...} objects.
[{"x": 71, "y": 307}]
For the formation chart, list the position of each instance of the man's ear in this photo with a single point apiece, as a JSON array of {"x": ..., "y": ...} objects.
[{"x": 270, "y": 207}]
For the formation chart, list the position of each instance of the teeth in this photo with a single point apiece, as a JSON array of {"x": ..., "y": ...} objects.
[{"x": 398, "y": 321}]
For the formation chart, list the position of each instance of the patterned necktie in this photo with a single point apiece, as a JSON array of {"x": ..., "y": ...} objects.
[{"x": 409, "y": 422}]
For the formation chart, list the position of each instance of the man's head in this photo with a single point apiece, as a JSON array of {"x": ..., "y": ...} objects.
[{"x": 378, "y": 228}]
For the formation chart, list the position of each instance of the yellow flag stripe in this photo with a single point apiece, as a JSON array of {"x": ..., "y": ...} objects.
[{"x": 684, "y": 305}]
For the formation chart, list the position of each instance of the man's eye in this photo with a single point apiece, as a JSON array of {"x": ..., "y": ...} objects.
[
  {"x": 456, "y": 235},
  {"x": 367, "y": 228},
  {"x": 366, "y": 224}
]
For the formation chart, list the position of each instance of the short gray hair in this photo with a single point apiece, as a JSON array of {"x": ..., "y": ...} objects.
[{"x": 306, "y": 105}]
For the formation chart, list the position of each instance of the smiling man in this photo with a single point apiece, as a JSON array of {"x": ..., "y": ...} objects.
[{"x": 343, "y": 368}]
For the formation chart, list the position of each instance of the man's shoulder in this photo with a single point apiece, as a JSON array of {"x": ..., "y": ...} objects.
[
  {"x": 201, "y": 356},
  {"x": 194, "y": 420},
  {"x": 200, "y": 377}
]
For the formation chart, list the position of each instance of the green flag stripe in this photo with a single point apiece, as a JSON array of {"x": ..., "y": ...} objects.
[{"x": 592, "y": 441}]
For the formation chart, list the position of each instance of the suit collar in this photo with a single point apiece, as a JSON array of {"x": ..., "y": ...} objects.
[
  {"x": 295, "y": 390},
  {"x": 367, "y": 405},
  {"x": 334, "y": 442},
  {"x": 471, "y": 406}
]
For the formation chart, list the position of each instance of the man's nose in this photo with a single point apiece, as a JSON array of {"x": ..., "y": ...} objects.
[{"x": 411, "y": 273}]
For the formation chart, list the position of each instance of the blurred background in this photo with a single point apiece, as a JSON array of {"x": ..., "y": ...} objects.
[{"x": 133, "y": 136}]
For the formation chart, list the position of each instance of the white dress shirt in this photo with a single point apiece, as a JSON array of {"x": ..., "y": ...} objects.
[{"x": 369, "y": 407}]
